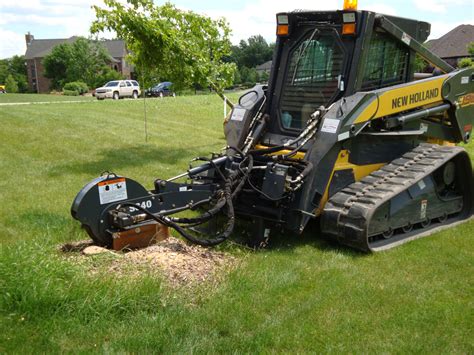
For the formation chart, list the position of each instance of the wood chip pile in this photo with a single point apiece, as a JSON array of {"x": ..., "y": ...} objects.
[{"x": 178, "y": 262}]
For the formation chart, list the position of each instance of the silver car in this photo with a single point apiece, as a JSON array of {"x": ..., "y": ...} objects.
[{"x": 117, "y": 89}]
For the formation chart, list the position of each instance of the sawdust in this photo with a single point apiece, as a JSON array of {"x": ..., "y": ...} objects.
[{"x": 177, "y": 262}]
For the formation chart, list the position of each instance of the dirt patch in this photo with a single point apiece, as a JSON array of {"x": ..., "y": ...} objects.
[{"x": 178, "y": 262}]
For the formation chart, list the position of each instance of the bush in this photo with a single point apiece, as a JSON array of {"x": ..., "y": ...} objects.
[
  {"x": 78, "y": 86},
  {"x": 465, "y": 63},
  {"x": 70, "y": 92},
  {"x": 10, "y": 84}
]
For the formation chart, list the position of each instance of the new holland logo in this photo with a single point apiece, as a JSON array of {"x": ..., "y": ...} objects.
[{"x": 415, "y": 98}]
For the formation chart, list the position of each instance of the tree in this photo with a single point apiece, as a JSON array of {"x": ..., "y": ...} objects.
[
  {"x": 15, "y": 67},
  {"x": 420, "y": 64},
  {"x": 264, "y": 76},
  {"x": 253, "y": 52},
  {"x": 470, "y": 48},
  {"x": 55, "y": 65},
  {"x": 10, "y": 84},
  {"x": 237, "y": 77},
  {"x": 4, "y": 71},
  {"x": 83, "y": 60},
  {"x": 181, "y": 46},
  {"x": 249, "y": 76}
]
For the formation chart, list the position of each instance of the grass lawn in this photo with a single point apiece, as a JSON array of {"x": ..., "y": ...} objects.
[
  {"x": 21, "y": 98},
  {"x": 301, "y": 295}
]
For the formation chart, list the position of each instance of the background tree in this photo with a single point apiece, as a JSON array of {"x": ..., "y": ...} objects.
[
  {"x": 470, "y": 48},
  {"x": 253, "y": 52},
  {"x": 83, "y": 60},
  {"x": 181, "y": 46},
  {"x": 248, "y": 55},
  {"x": 15, "y": 67}
]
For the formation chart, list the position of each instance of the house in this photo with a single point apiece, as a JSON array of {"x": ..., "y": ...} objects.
[
  {"x": 37, "y": 49},
  {"x": 453, "y": 45},
  {"x": 264, "y": 68}
]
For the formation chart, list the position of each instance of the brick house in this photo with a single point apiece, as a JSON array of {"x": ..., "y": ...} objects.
[
  {"x": 37, "y": 49},
  {"x": 453, "y": 45}
]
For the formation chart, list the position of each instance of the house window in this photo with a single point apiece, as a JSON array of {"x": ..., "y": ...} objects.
[{"x": 387, "y": 62}]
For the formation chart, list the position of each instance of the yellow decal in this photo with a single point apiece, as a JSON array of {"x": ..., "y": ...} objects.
[
  {"x": 466, "y": 100},
  {"x": 404, "y": 98}
]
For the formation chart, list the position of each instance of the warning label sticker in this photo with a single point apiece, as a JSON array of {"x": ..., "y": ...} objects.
[
  {"x": 238, "y": 114},
  {"x": 330, "y": 125},
  {"x": 112, "y": 190},
  {"x": 423, "y": 208},
  {"x": 406, "y": 39}
]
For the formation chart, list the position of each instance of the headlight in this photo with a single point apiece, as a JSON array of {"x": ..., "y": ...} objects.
[{"x": 108, "y": 90}]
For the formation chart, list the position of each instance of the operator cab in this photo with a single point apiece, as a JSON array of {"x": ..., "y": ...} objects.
[{"x": 321, "y": 57}]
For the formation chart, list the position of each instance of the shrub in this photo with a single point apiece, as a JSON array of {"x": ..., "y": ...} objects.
[
  {"x": 465, "y": 63},
  {"x": 78, "y": 86},
  {"x": 70, "y": 93},
  {"x": 10, "y": 84}
]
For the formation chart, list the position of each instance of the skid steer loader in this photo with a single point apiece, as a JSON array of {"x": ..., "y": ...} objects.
[{"x": 343, "y": 133}]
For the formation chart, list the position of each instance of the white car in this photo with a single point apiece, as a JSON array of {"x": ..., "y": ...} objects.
[{"x": 117, "y": 89}]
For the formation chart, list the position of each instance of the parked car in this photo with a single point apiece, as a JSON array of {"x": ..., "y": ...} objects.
[
  {"x": 161, "y": 89},
  {"x": 117, "y": 89},
  {"x": 3, "y": 90}
]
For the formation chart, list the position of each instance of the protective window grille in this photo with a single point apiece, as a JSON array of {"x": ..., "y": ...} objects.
[
  {"x": 311, "y": 79},
  {"x": 387, "y": 63}
]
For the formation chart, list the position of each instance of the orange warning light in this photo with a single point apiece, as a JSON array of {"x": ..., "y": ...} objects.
[{"x": 350, "y": 5}]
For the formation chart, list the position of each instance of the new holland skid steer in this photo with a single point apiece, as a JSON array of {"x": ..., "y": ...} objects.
[{"x": 343, "y": 133}]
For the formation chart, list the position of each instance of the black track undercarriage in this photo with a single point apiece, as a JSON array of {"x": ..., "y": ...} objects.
[{"x": 423, "y": 191}]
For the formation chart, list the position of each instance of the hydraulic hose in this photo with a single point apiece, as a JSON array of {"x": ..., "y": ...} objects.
[{"x": 224, "y": 202}]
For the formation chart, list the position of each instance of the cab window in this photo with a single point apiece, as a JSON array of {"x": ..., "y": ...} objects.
[
  {"x": 315, "y": 66},
  {"x": 387, "y": 62}
]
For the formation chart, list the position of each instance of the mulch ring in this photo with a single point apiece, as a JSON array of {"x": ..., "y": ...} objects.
[{"x": 179, "y": 263}]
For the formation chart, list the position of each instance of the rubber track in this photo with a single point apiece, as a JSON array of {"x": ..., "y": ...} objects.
[{"x": 347, "y": 214}]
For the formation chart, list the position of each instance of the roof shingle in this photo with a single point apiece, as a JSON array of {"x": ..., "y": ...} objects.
[
  {"x": 39, "y": 48},
  {"x": 454, "y": 43}
]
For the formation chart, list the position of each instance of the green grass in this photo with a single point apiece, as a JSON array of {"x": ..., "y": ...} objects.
[
  {"x": 301, "y": 295},
  {"x": 20, "y": 98}
]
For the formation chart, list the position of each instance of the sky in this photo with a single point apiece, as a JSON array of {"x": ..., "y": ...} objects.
[{"x": 66, "y": 18}]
